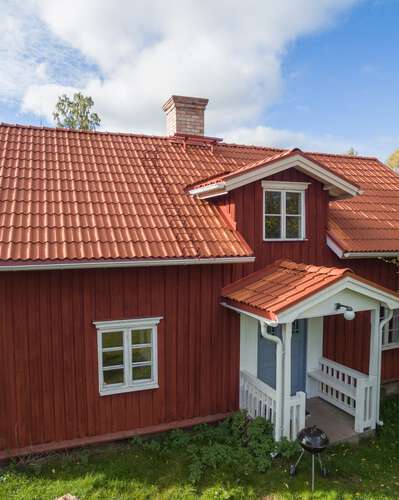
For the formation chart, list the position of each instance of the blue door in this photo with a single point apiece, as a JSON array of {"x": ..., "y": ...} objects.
[{"x": 267, "y": 356}]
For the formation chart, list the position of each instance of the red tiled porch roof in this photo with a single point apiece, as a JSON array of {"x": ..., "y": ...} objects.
[{"x": 283, "y": 284}]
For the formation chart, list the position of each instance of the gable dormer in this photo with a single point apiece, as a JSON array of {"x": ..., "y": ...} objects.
[{"x": 280, "y": 200}]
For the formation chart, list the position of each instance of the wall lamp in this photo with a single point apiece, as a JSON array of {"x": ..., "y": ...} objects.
[{"x": 349, "y": 313}]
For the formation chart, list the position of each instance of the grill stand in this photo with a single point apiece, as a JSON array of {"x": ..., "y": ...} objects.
[{"x": 323, "y": 470}]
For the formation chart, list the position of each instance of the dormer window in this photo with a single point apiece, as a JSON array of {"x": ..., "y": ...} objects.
[{"x": 284, "y": 210}]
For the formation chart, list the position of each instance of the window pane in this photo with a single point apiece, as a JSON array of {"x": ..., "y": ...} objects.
[
  {"x": 293, "y": 203},
  {"x": 272, "y": 227},
  {"x": 293, "y": 227},
  {"x": 142, "y": 372},
  {"x": 113, "y": 339},
  {"x": 141, "y": 354},
  {"x": 272, "y": 202},
  {"x": 113, "y": 376},
  {"x": 141, "y": 336},
  {"x": 112, "y": 358}
]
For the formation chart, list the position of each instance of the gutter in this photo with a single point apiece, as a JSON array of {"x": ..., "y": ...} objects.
[
  {"x": 342, "y": 254},
  {"x": 279, "y": 378},
  {"x": 125, "y": 263}
]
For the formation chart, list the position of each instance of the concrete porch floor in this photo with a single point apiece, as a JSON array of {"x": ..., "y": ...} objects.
[{"x": 338, "y": 425}]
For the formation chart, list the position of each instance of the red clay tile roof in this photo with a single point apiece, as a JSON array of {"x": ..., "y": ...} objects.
[
  {"x": 265, "y": 162},
  {"x": 283, "y": 284},
  {"x": 76, "y": 196}
]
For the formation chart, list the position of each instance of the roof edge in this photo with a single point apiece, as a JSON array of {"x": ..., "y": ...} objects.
[
  {"x": 339, "y": 186},
  {"x": 124, "y": 263}
]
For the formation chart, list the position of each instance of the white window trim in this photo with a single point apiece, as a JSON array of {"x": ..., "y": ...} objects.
[
  {"x": 126, "y": 326},
  {"x": 283, "y": 188},
  {"x": 386, "y": 345}
]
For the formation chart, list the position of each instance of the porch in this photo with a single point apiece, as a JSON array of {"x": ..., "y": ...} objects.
[
  {"x": 284, "y": 376},
  {"x": 342, "y": 404}
]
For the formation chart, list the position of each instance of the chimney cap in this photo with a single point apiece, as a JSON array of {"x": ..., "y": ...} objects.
[{"x": 195, "y": 102}]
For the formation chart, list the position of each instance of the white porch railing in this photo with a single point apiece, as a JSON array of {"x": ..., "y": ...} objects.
[
  {"x": 258, "y": 398},
  {"x": 351, "y": 391},
  {"x": 261, "y": 400},
  {"x": 295, "y": 422}
]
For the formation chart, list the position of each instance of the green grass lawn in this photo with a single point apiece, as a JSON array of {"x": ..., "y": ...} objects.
[{"x": 163, "y": 468}]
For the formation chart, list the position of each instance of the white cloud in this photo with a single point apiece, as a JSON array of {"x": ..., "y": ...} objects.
[
  {"x": 130, "y": 56},
  {"x": 283, "y": 138}
]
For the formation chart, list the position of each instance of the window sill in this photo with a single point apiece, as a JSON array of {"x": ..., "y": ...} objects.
[
  {"x": 122, "y": 390},
  {"x": 388, "y": 347},
  {"x": 286, "y": 240}
]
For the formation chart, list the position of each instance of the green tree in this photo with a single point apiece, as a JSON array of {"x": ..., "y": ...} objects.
[
  {"x": 393, "y": 160},
  {"x": 76, "y": 112},
  {"x": 352, "y": 152}
]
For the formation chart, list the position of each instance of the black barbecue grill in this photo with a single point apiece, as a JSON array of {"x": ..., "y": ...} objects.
[{"x": 315, "y": 441}]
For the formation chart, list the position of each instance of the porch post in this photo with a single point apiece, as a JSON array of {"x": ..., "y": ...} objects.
[
  {"x": 374, "y": 366},
  {"x": 287, "y": 337}
]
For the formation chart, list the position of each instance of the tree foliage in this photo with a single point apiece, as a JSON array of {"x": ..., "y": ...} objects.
[
  {"x": 352, "y": 152},
  {"x": 393, "y": 160},
  {"x": 76, "y": 112}
]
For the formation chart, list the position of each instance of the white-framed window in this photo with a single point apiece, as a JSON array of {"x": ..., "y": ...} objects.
[
  {"x": 127, "y": 355},
  {"x": 390, "y": 335},
  {"x": 284, "y": 210}
]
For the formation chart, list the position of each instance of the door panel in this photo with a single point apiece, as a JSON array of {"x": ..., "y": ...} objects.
[
  {"x": 267, "y": 356},
  {"x": 298, "y": 356}
]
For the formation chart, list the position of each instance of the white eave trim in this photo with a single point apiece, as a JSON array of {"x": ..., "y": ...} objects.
[
  {"x": 251, "y": 315},
  {"x": 209, "y": 191},
  {"x": 338, "y": 187},
  {"x": 357, "y": 255},
  {"x": 123, "y": 263}
]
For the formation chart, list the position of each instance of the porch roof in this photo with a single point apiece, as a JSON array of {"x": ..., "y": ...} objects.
[{"x": 285, "y": 284}]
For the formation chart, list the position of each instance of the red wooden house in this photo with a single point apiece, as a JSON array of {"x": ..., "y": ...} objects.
[{"x": 152, "y": 282}]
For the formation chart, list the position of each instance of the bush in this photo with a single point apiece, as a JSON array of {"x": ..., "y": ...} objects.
[{"x": 238, "y": 443}]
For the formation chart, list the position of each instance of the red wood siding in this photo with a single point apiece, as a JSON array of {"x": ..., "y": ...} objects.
[
  {"x": 48, "y": 350},
  {"x": 348, "y": 341}
]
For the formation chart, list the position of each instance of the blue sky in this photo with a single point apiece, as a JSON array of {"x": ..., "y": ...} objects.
[
  {"x": 318, "y": 74},
  {"x": 345, "y": 80}
]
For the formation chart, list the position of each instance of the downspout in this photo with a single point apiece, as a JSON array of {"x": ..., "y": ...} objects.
[
  {"x": 279, "y": 379},
  {"x": 383, "y": 322}
]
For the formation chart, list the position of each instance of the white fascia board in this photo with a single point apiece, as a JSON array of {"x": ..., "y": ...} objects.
[
  {"x": 209, "y": 190},
  {"x": 299, "y": 162},
  {"x": 334, "y": 247},
  {"x": 371, "y": 255},
  {"x": 251, "y": 315},
  {"x": 123, "y": 263},
  {"x": 357, "y": 255},
  {"x": 347, "y": 283}
]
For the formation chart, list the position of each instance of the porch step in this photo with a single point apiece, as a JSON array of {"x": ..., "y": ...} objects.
[{"x": 321, "y": 377}]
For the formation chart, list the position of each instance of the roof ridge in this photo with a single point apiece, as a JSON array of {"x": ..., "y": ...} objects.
[
  {"x": 271, "y": 148},
  {"x": 78, "y": 131}
]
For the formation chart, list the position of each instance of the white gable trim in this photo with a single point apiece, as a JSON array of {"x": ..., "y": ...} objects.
[
  {"x": 337, "y": 186},
  {"x": 348, "y": 283}
]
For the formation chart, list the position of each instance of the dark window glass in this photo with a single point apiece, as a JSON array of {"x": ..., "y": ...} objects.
[
  {"x": 272, "y": 227},
  {"x": 293, "y": 203},
  {"x": 272, "y": 202},
  {"x": 293, "y": 227},
  {"x": 112, "y": 339},
  {"x": 113, "y": 376}
]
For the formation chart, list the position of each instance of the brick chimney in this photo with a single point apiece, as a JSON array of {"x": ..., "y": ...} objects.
[{"x": 185, "y": 115}]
